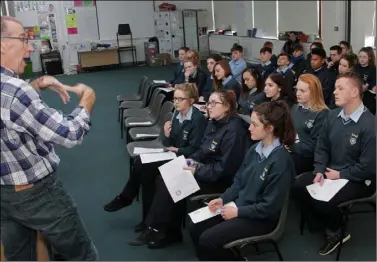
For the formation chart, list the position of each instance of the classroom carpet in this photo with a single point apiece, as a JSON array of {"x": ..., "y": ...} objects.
[{"x": 96, "y": 171}]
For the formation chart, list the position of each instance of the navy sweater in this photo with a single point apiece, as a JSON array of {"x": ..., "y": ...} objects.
[
  {"x": 261, "y": 185},
  {"x": 348, "y": 147},
  {"x": 188, "y": 135},
  {"x": 246, "y": 104},
  {"x": 178, "y": 75},
  {"x": 327, "y": 79},
  {"x": 208, "y": 87}
]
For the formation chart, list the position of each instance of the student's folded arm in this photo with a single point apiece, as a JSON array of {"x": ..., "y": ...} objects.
[
  {"x": 366, "y": 166},
  {"x": 322, "y": 150},
  {"x": 278, "y": 184},
  {"x": 194, "y": 137},
  {"x": 230, "y": 151}
]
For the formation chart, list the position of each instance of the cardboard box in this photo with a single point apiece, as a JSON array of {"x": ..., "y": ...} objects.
[{"x": 163, "y": 59}]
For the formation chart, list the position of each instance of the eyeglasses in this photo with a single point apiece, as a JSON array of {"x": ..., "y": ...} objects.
[
  {"x": 23, "y": 39},
  {"x": 213, "y": 103},
  {"x": 179, "y": 99}
]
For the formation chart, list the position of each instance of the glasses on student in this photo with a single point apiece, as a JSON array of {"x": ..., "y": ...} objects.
[
  {"x": 179, "y": 99},
  {"x": 213, "y": 103},
  {"x": 24, "y": 39}
]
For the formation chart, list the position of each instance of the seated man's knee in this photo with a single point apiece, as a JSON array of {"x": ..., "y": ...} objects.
[{"x": 207, "y": 239}]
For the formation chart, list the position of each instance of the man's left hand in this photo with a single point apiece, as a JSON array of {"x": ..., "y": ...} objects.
[
  {"x": 229, "y": 212},
  {"x": 54, "y": 84},
  {"x": 332, "y": 174},
  {"x": 172, "y": 149}
]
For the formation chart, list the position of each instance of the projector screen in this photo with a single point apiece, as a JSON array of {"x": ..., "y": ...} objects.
[{"x": 139, "y": 14}]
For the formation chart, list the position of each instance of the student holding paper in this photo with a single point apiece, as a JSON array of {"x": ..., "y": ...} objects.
[
  {"x": 259, "y": 190},
  {"x": 308, "y": 116},
  {"x": 346, "y": 149},
  {"x": 213, "y": 166},
  {"x": 182, "y": 135}
]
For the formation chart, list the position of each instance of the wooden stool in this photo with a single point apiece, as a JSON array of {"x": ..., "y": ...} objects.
[{"x": 42, "y": 252}]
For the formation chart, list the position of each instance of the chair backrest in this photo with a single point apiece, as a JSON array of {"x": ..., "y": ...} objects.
[
  {"x": 156, "y": 105},
  {"x": 147, "y": 87},
  {"x": 124, "y": 29},
  {"x": 167, "y": 107},
  {"x": 167, "y": 117},
  {"x": 279, "y": 230},
  {"x": 155, "y": 91},
  {"x": 142, "y": 82}
]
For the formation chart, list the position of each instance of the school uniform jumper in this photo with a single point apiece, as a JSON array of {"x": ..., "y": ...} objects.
[
  {"x": 246, "y": 105},
  {"x": 230, "y": 83},
  {"x": 288, "y": 75},
  {"x": 368, "y": 76},
  {"x": 346, "y": 144},
  {"x": 178, "y": 74},
  {"x": 259, "y": 190},
  {"x": 265, "y": 69},
  {"x": 308, "y": 125},
  {"x": 208, "y": 87}
]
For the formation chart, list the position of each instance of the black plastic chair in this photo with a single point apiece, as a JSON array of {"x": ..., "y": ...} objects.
[
  {"x": 125, "y": 30},
  {"x": 133, "y": 97}
]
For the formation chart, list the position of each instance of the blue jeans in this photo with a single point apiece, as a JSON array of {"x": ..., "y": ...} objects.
[{"x": 48, "y": 208}]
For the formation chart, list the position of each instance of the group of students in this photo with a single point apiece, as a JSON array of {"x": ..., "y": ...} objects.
[{"x": 255, "y": 165}]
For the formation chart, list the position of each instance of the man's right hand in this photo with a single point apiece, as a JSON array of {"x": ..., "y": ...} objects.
[
  {"x": 319, "y": 179},
  {"x": 167, "y": 128},
  {"x": 215, "y": 204}
]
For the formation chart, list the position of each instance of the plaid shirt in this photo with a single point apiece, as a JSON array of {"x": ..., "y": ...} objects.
[{"x": 29, "y": 128}]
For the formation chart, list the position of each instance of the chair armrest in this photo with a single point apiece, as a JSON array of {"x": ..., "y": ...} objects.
[
  {"x": 205, "y": 196},
  {"x": 242, "y": 242},
  {"x": 300, "y": 175}
]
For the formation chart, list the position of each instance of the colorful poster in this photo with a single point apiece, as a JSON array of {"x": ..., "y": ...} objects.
[
  {"x": 45, "y": 34},
  {"x": 72, "y": 31},
  {"x": 89, "y": 3},
  {"x": 33, "y": 33},
  {"x": 78, "y": 3},
  {"x": 70, "y": 20}
]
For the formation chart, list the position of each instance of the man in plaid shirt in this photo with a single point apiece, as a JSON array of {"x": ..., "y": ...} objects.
[{"x": 32, "y": 195}]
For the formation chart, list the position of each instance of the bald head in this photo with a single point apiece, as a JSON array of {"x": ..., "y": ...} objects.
[{"x": 5, "y": 20}]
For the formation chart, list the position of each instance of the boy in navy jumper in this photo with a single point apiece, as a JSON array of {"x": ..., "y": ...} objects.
[
  {"x": 346, "y": 149},
  {"x": 283, "y": 62},
  {"x": 179, "y": 71},
  {"x": 266, "y": 67}
]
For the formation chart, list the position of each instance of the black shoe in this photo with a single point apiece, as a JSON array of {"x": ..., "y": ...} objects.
[
  {"x": 116, "y": 204},
  {"x": 143, "y": 238},
  {"x": 161, "y": 240},
  {"x": 140, "y": 227},
  {"x": 332, "y": 243}
]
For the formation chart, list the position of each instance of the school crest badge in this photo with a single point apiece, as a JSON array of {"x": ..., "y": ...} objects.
[
  {"x": 297, "y": 139},
  {"x": 252, "y": 104},
  {"x": 309, "y": 123},
  {"x": 185, "y": 133},
  {"x": 213, "y": 145},
  {"x": 263, "y": 176},
  {"x": 353, "y": 139}
]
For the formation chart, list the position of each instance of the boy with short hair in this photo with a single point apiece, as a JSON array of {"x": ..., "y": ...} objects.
[
  {"x": 266, "y": 67},
  {"x": 179, "y": 71},
  {"x": 237, "y": 64},
  {"x": 298, "y": 63},
  {"x": 283, "y": 68}
]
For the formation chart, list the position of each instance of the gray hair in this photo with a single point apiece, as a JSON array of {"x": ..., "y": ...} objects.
[{"x": 4, "y": 21}]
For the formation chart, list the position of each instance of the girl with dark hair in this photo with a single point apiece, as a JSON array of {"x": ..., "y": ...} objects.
[
  {"x": 223, "y": 79},
  {"x": 347, "y": 64},
  {"x": 208, "y": 88},
  {"x": 252, "y": 91},
  {"x": 259, "y": 190},
  {"x": 276, "y": 88}
]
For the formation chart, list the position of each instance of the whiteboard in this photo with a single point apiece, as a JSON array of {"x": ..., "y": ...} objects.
[
  {"x": 27, "y": 18},
  {"x": 86, "y": 18},
  {"x": 139, "y": 14}
]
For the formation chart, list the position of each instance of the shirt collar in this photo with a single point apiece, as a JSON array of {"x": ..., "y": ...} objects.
[
  {"x": 265, "y": 152},
  {"x": 266, "y": 63},
  {"x": 316, "y": 70},
  {"x": 8, "y": 72},
  {"x": 304, "y": 107},
  {"x": 253, "y": 90},
  {"x": 227, "y": 80},
  {"x": 236, "y": 62},
  {"x": 181, "y": 63},
  {"x": 284, "y": 70},
  {"x": 188, "y": 116},
  {"x": 355, "y": 116}
]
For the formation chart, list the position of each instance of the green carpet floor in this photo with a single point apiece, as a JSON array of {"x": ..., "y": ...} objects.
[{"x": 97, "y": 170}]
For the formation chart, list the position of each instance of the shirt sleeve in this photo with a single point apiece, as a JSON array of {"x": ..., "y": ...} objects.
[{"x": 29, "y": 114}]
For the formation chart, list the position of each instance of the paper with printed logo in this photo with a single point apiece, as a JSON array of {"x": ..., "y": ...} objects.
[
  {"x": 328, "y": 190},
  {"x": 204, "y": 213}
]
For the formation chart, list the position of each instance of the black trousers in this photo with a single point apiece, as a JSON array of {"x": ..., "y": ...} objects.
[
  {"x": 167, "y": 216},
  {"x": 210, "y": 235},
  {"x": 302, "y": 164},
  {"x": 322, "y": 215}
]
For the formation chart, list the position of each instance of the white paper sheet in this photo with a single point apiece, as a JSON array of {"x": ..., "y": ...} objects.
[
  {"x": 328, "y": 190},
  {"x": 180, "y": 183},
  {"x": 156, "y": 157},
  {"x": 204, "y": 213},
  {"x": 147, "y": 135},
  {"x": 159, "y": 82},
  {"x": 201, "y": 99},
  {"x": 140, "y": 123},
  {"x": 371, "y": 91},
  {"x": 200, "y": 107},
  {"x": 166, "y": 89},
  {"x": 142, "y": 150}
]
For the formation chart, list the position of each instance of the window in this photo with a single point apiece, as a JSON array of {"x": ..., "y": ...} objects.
[
  {"x": 225, "y": 13},
  {"x": 370, "y": 39},
  {"x": 265, "y": 17}
]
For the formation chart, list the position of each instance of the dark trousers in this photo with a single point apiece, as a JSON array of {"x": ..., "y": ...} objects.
[
  {"x": 369, "y": 101},
  {"x": 211, "y": 235},
  {"x": 164, "y": 214},
  {"x": 302, "y": 164},
  {"x": 48, "y": 208},
  {"x": 322, "y": 215}
]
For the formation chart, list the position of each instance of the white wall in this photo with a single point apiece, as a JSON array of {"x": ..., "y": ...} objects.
[{"x": 333, "y": 14}]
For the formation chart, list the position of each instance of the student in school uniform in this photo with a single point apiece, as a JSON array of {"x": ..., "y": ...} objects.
[
  {"x": 283, "y": 68},
  {"x": 259, "y": 190},
  {"x": 335, "y": 56},
  {"x": 346, "y": 149},
  {"x": 366, "y": 69},
  {"x": 266, "y": 67},
  {"x": 298, "y": 63},
  {"x": 214, "y": 165},
  {"x": 312, "y": 46},
  {"x": 277, "y": 88},
  {"x": 319, "y": 69},
  {"x": 223, "y": 78},
  {"x": 194, "y": 74},
  {"x": 237, "y": 64},
  {"x": 274, "y": 58},
  {"x": 182, "y": 135},
  {"x": 179, "y": 71},
  {"x": 308, "y": 116},
  {"x": 212, "y": 59},
  {"x": 347, "y": 49},
  {"x": 346, "y": 64},
  {"x": 290, "y": 43},
  {"x": 252, "y": 91}
]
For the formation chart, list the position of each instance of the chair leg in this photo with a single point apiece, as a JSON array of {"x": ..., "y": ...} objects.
[
  {"x": 121, "y": 126},
  {"x": 342, "y": 234},
  {"x": 257, "y": 249},
  {"x": 277, "y": 250},
  {"x": 302, "y": 223},
  {"x": 118, "y": 115},
  {"x": 237, "y": 253}
]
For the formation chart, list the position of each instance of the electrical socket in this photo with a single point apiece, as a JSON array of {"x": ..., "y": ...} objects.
[{"x": 336, "y": 28}]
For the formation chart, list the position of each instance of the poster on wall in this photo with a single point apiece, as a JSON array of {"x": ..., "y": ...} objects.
[
  {"x": 43, "y": 19},
  {"x": 33, "y": 33},
  {"x": 71, "y": 22},
  {"x": 89, "y": 3},
  {"x": 78, "y": 3}
]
